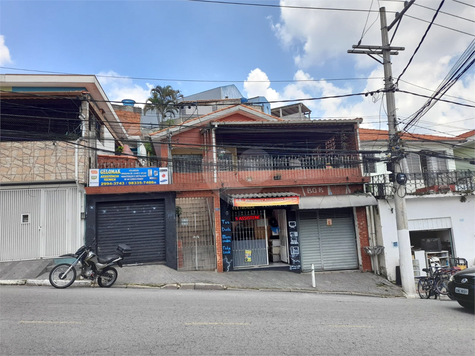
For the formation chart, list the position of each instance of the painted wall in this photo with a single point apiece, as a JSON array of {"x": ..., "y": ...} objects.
[{"x": 425, "y": 207}]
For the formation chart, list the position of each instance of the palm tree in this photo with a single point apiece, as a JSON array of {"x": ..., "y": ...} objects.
[{"x": 163, "y": 100}]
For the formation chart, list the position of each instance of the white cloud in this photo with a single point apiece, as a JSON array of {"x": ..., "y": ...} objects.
[
  {"x": 319, "y": 40},
  {"x": 4, "y": 52},
  {"x": 118, "y": 88},
  {"x": 258, "y": 84}
]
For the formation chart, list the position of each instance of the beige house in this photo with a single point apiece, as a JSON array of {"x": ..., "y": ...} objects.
[{"x": 52, "y": 129}]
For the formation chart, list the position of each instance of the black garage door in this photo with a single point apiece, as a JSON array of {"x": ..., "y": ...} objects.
[{"x": 139, "y": 224}]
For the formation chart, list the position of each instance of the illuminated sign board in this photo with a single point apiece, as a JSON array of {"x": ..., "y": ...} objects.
[
  {"x": 248, "y": 217},
  {"x": 113, "y": 177},
  {"x": 251, "y": 202}
]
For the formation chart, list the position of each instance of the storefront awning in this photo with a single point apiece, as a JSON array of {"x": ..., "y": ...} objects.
[
  {"x": 264, "y": 199},
  {"x": 336, "y": 201}
]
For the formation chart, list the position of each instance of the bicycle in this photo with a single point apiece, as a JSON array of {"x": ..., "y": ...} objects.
[{"x": 436, "y": 282}]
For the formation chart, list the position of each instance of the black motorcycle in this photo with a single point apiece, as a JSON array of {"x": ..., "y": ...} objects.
[{"x": 90, "y": 266}]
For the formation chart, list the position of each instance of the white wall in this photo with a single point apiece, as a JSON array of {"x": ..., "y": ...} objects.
[{"x": 461, "y": 215}]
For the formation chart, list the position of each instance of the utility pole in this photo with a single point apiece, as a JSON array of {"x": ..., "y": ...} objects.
[{"x": 395, "y": 147}]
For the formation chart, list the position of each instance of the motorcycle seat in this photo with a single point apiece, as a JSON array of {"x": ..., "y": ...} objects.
[{"x": 108, "y": 258}]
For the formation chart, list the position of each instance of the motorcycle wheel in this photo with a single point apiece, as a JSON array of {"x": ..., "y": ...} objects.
[
  {"x": 107, "y": 278},
  {"x": 58, "y": 279}
]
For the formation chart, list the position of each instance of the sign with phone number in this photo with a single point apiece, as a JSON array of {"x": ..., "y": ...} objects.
[{"x": 127, "y": 176}]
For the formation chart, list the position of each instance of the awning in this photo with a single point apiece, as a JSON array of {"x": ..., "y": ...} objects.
[
  {"x": 336, "y": 201},
  {"x": 264, "y": 199}
]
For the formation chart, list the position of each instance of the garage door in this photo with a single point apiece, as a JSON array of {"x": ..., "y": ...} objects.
[
  {"x": 139, "y": 224},
  {"x": 327, "y": 239}
]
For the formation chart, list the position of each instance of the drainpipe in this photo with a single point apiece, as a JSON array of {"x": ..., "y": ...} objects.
[
  {"x": 215, "y": 155},
  {"x": 372, "y": 237},
  {"x": 373, "y": 228}
]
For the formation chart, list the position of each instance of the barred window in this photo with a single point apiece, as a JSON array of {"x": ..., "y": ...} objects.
[{"x": 187, "y": 163}]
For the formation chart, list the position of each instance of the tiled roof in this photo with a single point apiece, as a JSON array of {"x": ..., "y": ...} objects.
[
  {"x": 382, "y": 135},
  {"x": 467, "y": 134}
]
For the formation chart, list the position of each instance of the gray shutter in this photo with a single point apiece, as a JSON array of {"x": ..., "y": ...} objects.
[
  {"x": 139, "y": 224},
  {"x": 328, "y": 247},
  {"x": 338, "y": 241},
  {"x": 309, "y": 241}
]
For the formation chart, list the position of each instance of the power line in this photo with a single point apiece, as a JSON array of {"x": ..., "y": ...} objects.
[
  {"x": 280, "y": 6},
  {"x": 429, "y": 97},
  {"x": 463, "y": 64},
  {"x": 420, "y": 43},
  {"x": 445, "y": 13},
  {"x": 464, "y": 3},
  {"x": 199, "y": 80}
]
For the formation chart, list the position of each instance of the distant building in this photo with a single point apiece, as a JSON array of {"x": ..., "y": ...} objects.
[{"x": 296, "y": 111}]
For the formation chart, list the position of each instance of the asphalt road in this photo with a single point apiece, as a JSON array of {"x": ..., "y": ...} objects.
[{"x": 118, "y": 321}]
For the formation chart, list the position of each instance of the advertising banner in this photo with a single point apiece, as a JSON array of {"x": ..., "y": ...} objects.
[
  {"x": 251, "y": 202},
  {"x": 114, "y": 177}
]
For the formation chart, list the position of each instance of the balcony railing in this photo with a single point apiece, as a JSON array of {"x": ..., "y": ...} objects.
[
  {"x": 265, "y": 168},
  {"x": 425, "y": 183}
]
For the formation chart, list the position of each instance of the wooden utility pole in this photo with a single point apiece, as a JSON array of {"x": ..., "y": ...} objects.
[{"x": 396, "y": 151}]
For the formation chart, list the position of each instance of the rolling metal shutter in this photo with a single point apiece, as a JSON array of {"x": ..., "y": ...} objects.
[
  {"x": 139, "y": 224},
  {"x": 310, "y": 251},
  {"x": 328, "y": 247}
]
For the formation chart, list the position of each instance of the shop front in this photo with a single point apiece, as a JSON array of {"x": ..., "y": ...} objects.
[
  {"x": 293, "y": 232},
  {"x": 256, "y": 230}
]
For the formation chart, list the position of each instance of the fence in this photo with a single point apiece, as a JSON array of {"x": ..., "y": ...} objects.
[
  {"x": 425, "y": 183},
  {"x": 262, "y": 168}
]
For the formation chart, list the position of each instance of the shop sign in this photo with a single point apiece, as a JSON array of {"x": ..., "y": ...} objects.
[
  {"x": 266, "y": 201},
  {"x": 248, "y": 217},
  {"x": 127, "y": 176}
]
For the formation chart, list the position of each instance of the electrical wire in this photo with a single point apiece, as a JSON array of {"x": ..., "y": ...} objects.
[
  {"x": 420, "y": 43},
  {"x": 279, "y": 6},
  {"x": 197, "y": 80}
]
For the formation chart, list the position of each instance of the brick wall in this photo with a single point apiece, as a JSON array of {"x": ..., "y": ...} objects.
[{"x": 362, "y": 224}]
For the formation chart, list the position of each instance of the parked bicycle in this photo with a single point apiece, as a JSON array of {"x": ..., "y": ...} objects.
[{"x": 436, "y": 282}]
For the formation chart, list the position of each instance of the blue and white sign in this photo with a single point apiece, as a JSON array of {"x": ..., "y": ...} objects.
[{"x": 127, "y": 176}]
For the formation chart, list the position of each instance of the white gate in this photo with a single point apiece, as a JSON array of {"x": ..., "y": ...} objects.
[{"x": 39, "y": 223}]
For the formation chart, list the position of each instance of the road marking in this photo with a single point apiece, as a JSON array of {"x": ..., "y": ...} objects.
[
  {"x": 217, "y": 324},
  {"x": 351, "y": 326},
  {"x": 48, "y": 322}
]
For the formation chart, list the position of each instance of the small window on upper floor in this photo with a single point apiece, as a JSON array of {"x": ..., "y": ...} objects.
[{"x": 369, "y": 163}]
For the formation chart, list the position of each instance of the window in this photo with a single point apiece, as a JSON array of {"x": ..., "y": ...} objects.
[
  {"x": 187, "y": 163},
  {"x": 413, "y": 163},
  {"x": 369, "y": 163},
  {"x": 431, "y": 163}
]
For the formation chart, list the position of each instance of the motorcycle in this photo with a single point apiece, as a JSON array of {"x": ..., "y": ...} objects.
[{"x": 90, "y": 266}]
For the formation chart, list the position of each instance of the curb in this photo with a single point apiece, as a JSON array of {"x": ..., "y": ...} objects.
[
  {"x": 12, "y": 282},
  {"x": 193, "y": 286}
]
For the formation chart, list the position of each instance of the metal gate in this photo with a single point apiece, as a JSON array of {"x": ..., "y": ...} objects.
[
  {"x": 196, "y": 234},
  {"x": 249, "y": 238},
  {"x": 39, "y": 223},
  {"x": 328, "y": 239},
  {"x": 139, "y": 224}
]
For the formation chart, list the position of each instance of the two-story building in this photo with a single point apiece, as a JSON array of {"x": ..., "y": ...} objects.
[
  {"x": 52, "y": 127},
  {"x": 439, "y": 199},
  {"x": 246, "y": 189}
]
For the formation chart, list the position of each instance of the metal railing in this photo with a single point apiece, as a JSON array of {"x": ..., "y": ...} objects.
[
  {"x": 262, "y": 168},
  {"x": 425, "y": 183}
]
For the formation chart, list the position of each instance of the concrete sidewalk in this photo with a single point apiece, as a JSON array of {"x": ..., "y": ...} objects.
[{"x": 157, "y": 275}]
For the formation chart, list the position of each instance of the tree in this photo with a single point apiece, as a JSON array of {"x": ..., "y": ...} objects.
[{"x": 163, "y": 101}]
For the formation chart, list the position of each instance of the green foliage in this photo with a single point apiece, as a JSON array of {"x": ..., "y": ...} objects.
[{"x": 163, "y": 100}]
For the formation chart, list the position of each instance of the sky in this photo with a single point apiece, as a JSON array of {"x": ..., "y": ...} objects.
[{"x": 294, "y": 51}]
